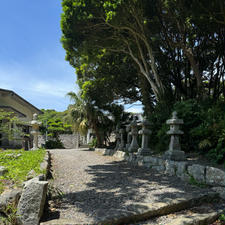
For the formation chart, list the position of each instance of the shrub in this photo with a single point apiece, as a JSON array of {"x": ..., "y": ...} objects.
[
  {"x": 93, "y": 143},
  {"x": 52, "y": 144}
]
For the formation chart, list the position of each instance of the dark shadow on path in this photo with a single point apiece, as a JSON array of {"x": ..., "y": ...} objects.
[{"x": 119, "y": 188}]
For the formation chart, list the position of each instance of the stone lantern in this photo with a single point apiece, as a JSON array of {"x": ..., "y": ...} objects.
[
  {"x": 134, "y": 132},
  {"x": 145, "y": 132},
  {"x": 35, "y": 131},
  {"x": 174, "y": 152}
]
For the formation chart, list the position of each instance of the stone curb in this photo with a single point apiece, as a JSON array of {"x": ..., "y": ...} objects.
[
  {"x": 205, "y": 175},
  {"x": 160, "y": 209},
  {"x": 197, "y": 219}
]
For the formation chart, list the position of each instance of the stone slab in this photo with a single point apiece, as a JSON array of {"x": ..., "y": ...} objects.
[
  {"x": 220, "y": 191},
  {"x": 148, "y": 210},
  {"x": 31, "y": 203},
  {"x": 197, "y": 171},
  {"x": 215, "y": 176}
]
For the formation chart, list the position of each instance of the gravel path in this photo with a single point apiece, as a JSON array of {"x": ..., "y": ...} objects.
[{"x": 89, "y": 187}]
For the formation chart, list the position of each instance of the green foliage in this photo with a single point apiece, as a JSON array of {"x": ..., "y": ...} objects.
[
  {"x": 84, "y": 114},
  {"x": 222, "y": 217},
  {"x": 53, "y": 122},
  {"x": 194, "y": 182},
  {"x": 7, "y": 119},
  {"x": 159, "y": 139},
  {"x": 18, "y": 168},
  {"x": 11, "y": 215},
  {"x": 93, "y": 143},
  {"x": 51, "y": 144},
  {"x": 204, "y": 128}
]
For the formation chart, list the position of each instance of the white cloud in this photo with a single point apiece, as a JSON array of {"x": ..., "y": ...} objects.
[
  {"x": 137, "y": 107},
  {"x": 44, "y": 83}
]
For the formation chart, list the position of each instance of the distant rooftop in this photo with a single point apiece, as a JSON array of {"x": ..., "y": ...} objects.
[{"x": 12, "y": 93}]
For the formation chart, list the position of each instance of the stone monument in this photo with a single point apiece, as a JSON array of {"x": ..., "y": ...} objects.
[
  {"x": 134, "y": 132},
  {"x": 174, "y": 152},
  {"x": 35, "y": 131},
  {"x": 145, "y": 132}
]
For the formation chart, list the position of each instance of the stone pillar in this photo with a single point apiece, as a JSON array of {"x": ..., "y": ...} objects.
[
  {"x": 145, "y": 132},
  {"x": 128, "y": 136},
  {"x": 174, "y": 152},
  {"x": 122, "y": 144},
  {"x": 35, "y": 131},
  {"x": 117, "y": 138},
  {"x": 134, "y": 132}
]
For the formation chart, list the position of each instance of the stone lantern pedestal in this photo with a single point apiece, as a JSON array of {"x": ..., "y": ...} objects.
[
  {"x": 35, "y": 131},
  {"x": 174, "y": 152}
]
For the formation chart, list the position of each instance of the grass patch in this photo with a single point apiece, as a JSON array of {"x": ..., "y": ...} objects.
[{"x": 19, "y": 163}]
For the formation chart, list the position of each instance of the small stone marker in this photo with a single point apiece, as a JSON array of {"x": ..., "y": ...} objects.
[
  {"x": 134, "y": 132},
  {"x": 35, "y": 131},
  {"x": 145, "y": 132},
  {"x": 174, "y": 152}
]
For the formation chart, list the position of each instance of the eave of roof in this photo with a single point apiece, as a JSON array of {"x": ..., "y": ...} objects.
[{"x": 14, "y": 94}]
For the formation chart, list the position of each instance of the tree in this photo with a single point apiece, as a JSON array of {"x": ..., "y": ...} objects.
[
  {"x": 53, "y": 124},
  {"x": 175, "y": 45},
  {"x": 10, "y": 125},
  {"x": 92, "y": 28},
  {"x": 83, "y": 114}
]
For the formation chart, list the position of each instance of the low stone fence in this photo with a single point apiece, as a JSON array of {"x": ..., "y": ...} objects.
[{"x": 185, "y": 170}]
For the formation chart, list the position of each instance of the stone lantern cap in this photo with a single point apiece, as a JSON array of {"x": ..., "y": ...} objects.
[
  {"x": 35, "y": 122},
  {"x": 174, "y": 125},
  {"x": 174, "y": 120}
]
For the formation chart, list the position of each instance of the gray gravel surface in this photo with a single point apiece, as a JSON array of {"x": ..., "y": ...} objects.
[{"x": 88, "y": 187}]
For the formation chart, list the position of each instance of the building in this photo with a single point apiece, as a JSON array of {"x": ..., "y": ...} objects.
[{"x": 12, "y": 102}]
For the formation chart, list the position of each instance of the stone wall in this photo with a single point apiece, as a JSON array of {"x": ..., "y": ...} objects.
[
  {"x": 69, "y": 140},
  {"x": 185, "y": 170}
]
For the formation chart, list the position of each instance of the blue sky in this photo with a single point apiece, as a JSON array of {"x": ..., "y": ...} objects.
[{"x": 31, "y": 56}]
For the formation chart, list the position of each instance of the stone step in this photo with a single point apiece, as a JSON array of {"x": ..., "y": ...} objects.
[
  {"x": 204, "y": 214},
  {"x": 148, "y": 211}
]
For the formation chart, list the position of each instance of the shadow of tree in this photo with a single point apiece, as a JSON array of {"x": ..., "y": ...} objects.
[{"x": 119, "y": 188}]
